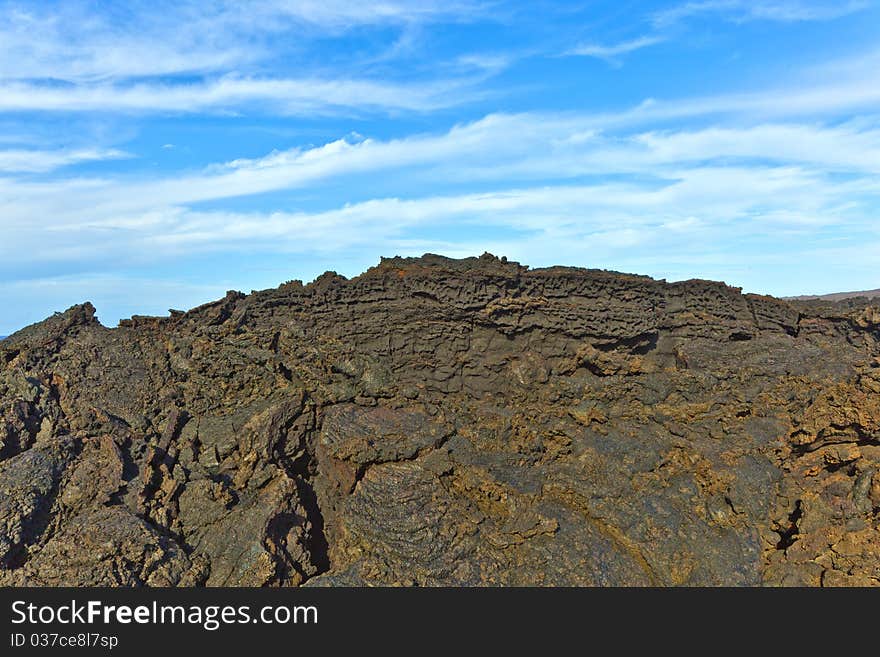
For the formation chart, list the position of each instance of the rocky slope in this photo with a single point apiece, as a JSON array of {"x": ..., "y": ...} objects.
[{"x": 451, "y": 422}]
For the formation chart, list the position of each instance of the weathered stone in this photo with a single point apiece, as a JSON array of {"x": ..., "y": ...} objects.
[
  {"x": 447, "y": 422},
  {"x": 28, "y": 485},
  {"x": 379, "y": 435},
  {"x": 107, "y": 546}
]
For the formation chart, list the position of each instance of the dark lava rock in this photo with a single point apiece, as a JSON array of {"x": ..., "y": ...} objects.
[{"x": 447, "y": 422}]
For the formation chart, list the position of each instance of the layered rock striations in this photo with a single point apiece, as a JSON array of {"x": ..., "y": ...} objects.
[{"x": 447, "y": 422}]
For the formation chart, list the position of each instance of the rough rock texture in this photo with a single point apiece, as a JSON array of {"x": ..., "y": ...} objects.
[{"x": 447, "y": 422}]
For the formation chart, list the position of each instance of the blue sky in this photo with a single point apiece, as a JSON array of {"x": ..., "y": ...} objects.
[{"x": 154, "y": 154}]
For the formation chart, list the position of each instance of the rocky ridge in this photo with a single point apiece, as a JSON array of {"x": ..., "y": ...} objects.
[{"x": 447, "y": 422}]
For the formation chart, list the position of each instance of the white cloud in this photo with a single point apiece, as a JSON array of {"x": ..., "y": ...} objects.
[
  {"x": 32, "y": 161},
  {"x": 221, "y": 56},
  {"x": 840, "y": 147},
  {"x": 696, "y": 200},
  {"x": 837, "y": 87},
  {"x": 617, "y": 49},
  {"x": 489, "y": 62},
  {"x": 307, "y": 96},
  {"x": 825, "y": 93},
  {"x": 499, "y": 149},
  {"x": 77, "y": 43},
  {"x": 228, "y": 57},
  {"x": 786, "y": 11},
  {"x": 346, "y": 13}
]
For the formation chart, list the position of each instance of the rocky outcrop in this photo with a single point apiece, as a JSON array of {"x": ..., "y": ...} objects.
[{"x": 447, "y": 422}]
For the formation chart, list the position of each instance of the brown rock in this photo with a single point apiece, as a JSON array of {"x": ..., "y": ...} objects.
[{"x": 447, "y": 422}]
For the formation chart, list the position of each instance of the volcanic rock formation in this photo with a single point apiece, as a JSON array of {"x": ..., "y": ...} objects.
[{"x": 452, "y": 422}]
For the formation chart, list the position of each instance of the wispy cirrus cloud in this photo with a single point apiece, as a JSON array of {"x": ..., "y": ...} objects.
[
  {"x": 682, "y": 220},
  {"x": 501, "y": 146},
  {"x": 679, "y": 188},
  {"x": 786, "y": 11},
  {"x": 498, "y": 147},
  {"x": 663, "y": 22},
  {"x": 190, "y": 57},
  {"x": 345, "y": 14},
  {"x": 284, "y": 96},
  {"x": 71, "y": 41},
  {"x": 612, "y": 51},
  {"x": 42, "y": 161}
]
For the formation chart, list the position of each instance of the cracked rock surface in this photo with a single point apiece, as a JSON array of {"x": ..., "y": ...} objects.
[{"x": 447, "y": 422}]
